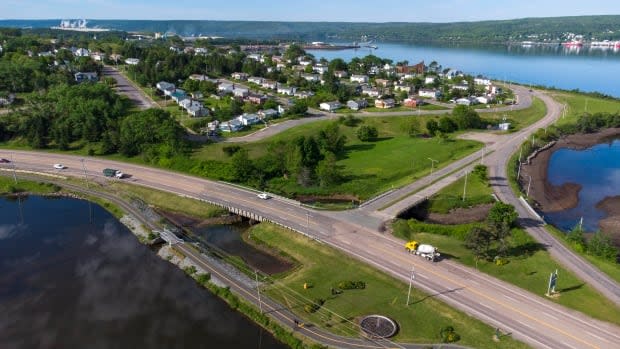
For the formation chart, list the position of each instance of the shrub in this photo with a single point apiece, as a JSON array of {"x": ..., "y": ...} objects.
[
  {"x": 230, "y": 150},
  {"x": 190, "y": 270},
  {"x": 351, "y": 285},
  {"x": 448, "y": 335},
  {"x": 314, "y": 306},
  {"x": 367, "y": 133}
]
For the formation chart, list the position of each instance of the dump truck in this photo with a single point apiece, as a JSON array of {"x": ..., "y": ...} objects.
[
  {"x": 110, "y": 172},
  {"x": 427, "y": 251}
]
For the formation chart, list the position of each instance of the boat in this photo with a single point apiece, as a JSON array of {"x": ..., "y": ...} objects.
[{"x": 573, "y": 43}]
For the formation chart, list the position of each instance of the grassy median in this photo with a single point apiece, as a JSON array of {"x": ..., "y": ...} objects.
[{"x": 323, "y": 268}]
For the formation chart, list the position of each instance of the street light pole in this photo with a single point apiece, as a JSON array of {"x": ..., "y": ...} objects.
[
  {"x": 432, "y": 164},
  {"x": 410, "y": 282},
  {"x": 14, "y": 175},
  {"x": 465, "y": 186},
  {"x": 528, "y": 186},
  {"x": 260, "y": 304},
  {"x": 85, "y": 176}
]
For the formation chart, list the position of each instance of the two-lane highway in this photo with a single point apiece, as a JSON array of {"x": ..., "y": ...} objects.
[{"x": 530, "y": 318}]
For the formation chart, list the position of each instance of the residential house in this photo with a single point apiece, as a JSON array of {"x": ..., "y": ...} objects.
[
  {"x": 239, "y": 76},
  {"x": 330, "y": 106},
  {"x": 81, "y": 52},
  {"x": 277, "y": 59},
  {"x": 240, "y": 92},
  {"x": 45, "y": 54},
  {"x": 402, "y": 87},
  {"x": 248, "y": 119},
  {"x": 230, "y": 126},
  {"x": 410, "y": 103},
  {"x": 202, "y": 77},
  {"x": 188, "y": 50},
  {"x": 86, "y": 77},
  {"x": 319, "y": 68},
  {"x": 383, "y": 82},
  {"x": 505, "y": 126},
  {"x": 132, "y": 61},
  {"x": 385, "y": 103},
  {"x": 482, "y": 81},
  {"x": 408, "y": 76},
  {"x": 178, "y": 95},
  {"x": 429, "y": 93},
  {"x": 305, "y": 62},
  {"x": 374, "y": 70},
  {"x": 371, "y": 91},
  {"x": 362, "y": 79},
  {"x": 429, "y": 80},
  {"x": 197, "y": 95},
  {"x": 462, "y": 86},
  {"x": 197, "y": 111},
  {"x": 286, "y": 90},
  {"x": 280, "y": 66},
  {"x": 255, "y": 80},
  {"x": 256, "y": 98},
  {"x": 494, "y": 90},
  {"x": 464, "y": 101},
  {"x": 484, "y": 99},
  {"x": 97, "y": 56},
  {"x": 311, "y": 77},
  {"x": 270, "y": 84},
  {"x": 341, "y": 74},
  {"x": 165, "y": 87},
  {"x": 268, "y": 114},
  {"x": 115, "y": 57},
  {"x": 410, "y": 69},
  {"x": 303, "y": 94},
  {"x": 357, "y": 104},
  {"x": 452, "y": 73},
  {"x": 255, "y": 56},
  {"x": 200, "y": 51},
  {"x": 226, "y": 87}
]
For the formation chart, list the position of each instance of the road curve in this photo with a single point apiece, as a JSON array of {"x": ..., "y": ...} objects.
[{"x": 528, "y": 317}]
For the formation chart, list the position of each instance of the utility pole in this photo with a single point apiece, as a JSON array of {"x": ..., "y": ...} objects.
[
  {"x": 85, "y": 176},
  {"x": 410, "y": 282},
  {"x": 14, "y": 175},
  {"x": 482, "y": 158},
  {"x": 432, "y": 164},
  {"x": 529, "y": 183},
  {"x": 260, "y": 304},
  {"x": 465, "y": 186}
]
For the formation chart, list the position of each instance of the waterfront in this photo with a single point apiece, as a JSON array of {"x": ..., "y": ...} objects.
[
  {"x": 72, "y": 276},
  {"x": 596, "y": 170},
  {"x": 584, "y": 68}
]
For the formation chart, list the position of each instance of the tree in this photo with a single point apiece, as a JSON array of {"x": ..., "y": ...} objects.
[
  {"x": 479, "y": 241},
  {"x": 414, "y": 128},
  {"x": 432, "y": 126},
  {"x": 447, "y": 125},
  {"x": 242, "y": 166},
  {"x": 331, "y": 139},
  {"x": 601, "y": 245},
  {"x": 502, "y": 214},
  {"x": 327, "y": 171},
  {"x": 466, "y": 117},
  {"x": 367, "y": 133}
]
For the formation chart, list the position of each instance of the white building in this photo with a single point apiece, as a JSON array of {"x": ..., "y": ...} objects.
[
  {"x": 132, "y": 61},
  {"x": 362, "y": 79},
  {"x": 330, "y": 106},
  {"x": 429, "y": 93}
]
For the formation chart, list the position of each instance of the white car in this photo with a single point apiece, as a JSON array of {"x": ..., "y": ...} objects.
[
  {"x": 263, "y": 196},
  {"x": 59, "y": 166}
]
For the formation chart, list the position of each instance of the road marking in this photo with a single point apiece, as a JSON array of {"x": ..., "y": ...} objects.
[
  {"x": 551, "y": 316},
  {"x": 568, "y": 345},
  {"x": 524, "y": 324},
  {"x": 595, "y": 336},
  {"x": 508, "y": 297}
]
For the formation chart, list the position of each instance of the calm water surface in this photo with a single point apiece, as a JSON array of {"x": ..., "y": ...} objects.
[
  {"x": 583, "y": 68},
  {"x": 71, "y": 276},
  {"x": 597, "y": 170}
]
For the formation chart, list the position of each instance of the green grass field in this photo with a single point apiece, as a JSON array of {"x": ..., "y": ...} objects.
[
  {"x": 577, "y": 105},
  {"x": 521, "y": 118},
  {"x": 529, "y": 267},
  {"x": 8, "y": 186},
  {"x": 477, "y": 192},
  {"x": 324, "y": 267}
]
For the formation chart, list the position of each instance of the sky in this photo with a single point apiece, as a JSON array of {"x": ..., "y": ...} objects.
[{"x": 304, "y": 10}]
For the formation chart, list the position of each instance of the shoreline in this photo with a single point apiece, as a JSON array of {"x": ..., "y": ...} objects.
[{"x": 552, "y": 198}]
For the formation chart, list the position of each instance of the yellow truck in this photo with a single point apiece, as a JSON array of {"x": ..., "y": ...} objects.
[{"x": 424, "y": 250}]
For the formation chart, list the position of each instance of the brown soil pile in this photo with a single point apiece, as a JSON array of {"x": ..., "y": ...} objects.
[
  {"x": 611, "y": 224},
  {"x": 551, "y": 198},
  {"x": 461, "y": 215}
]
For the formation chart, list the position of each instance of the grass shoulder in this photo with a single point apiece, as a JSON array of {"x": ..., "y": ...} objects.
[
  {"x": 528, "y": 265},
  {"x": 324, "y": 268},
  {"x": 8, "y": 186},
  {"x": 458, "y": 195}
]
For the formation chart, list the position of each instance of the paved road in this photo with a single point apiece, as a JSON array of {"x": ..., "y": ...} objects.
[
  {"x": 531, "y": 318},
  {"x": 127, "y": 88}
]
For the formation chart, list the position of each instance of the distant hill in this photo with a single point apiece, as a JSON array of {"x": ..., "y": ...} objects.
[{"x": 531, "y": 29}]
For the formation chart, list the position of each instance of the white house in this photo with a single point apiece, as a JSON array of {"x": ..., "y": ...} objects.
[
  {"x": 240, "y": 92},
  {"x": 321, "y": 69},
  {"x": 270, "y": 84},
  {"x": 303, "y": 94},
  {"x": 178, "y": 95},
  {"x": 255, "y": 56},
  {"x": 305, "y": 62},
  {"x": 357, "y": 105},
  {"x": 197, "y": 111},
  {"x": 81, "y": 52},
  {"x": 132, "y": 61},
  {"x": 362, "y": 79},
  {"x": 97, "y": 56},
  {"x": 200, "y": 51},
  {"x": 464, "y": 101},
  {"x": 401, "y": 87},
  {"x": 6, "y": 100},
  {"x": 248, "y": 119},
  {"x": 494, "y": 90},
  {"x": 86, "y": 76},
  {"x": 482, "y": 81},
  {"x": 239, "y": 76},
  {"x": 505, "y": 126},
  {"x": 341, "y": 74},
  {"x": 230, "y": 126},
  {"x": 267, "y": 113},
  {"x": 165, "y": 87},
  {"x": 429, "y": 93},
  {"x": 311, "y": 77},
  {"x": 429, "y": 80},
  {"x": 385, "y": 103},
  {"x": 255, "y": 80},
  {"x": 484, "y": 99},
  {"x": 286, "y": 90},
  {"x": 330, "y": 106},
  {"x": 461, "y": 86},
  {"x": 226, "y": 87},
  {"x": 371, "y": 91}
]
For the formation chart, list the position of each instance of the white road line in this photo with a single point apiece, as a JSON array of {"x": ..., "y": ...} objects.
[
  {"x": 524, "y": 324},
  {"x": 508, "y": 297},
  {"x": 568, "y": 345},
  {"x": 595, "y": 336},
  {"x": 551, "y": 316}
]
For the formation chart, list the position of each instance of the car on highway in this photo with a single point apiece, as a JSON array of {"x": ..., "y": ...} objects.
[
  {"x": 263, "y": 196},
  {"x": 4, "y": 161},
  {"x": 59, "y": 166}
]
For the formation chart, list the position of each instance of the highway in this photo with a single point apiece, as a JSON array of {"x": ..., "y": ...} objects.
[{"x": 530, "y": 318}]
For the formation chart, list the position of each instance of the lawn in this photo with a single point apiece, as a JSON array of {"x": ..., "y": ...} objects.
[
  {"x": 529, "y": 266},
  {"x": 8, "y": 185},
  {"x": 324, "y": 267},
  {"x": 395, "y": 159},
  {"x": 477, "y": 192},
  {"x": 578, "y": 104},
  {"x": 520, "y": 118}
]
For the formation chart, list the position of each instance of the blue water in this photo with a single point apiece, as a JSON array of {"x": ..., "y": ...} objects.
[
  {"x": 582, "y": 68},
  {"x": 597, "y": 170},
  {"x": 72, "y": 276}
]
